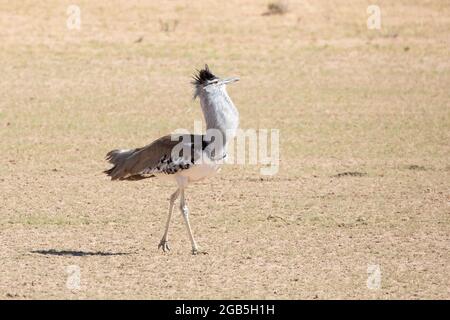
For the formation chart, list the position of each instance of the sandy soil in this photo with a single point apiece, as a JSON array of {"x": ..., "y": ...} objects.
[{"x": 345, "y": 98}]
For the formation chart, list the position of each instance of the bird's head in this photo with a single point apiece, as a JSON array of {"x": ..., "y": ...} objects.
[{"x": 206, "y": 82}]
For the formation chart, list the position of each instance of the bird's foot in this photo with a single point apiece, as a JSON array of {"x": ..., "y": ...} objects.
[
  {"x": 197, "y": 251},
  {"x": 164, "y": 245}
]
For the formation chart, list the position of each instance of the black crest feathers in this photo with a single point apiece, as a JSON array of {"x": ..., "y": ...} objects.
[{"x": 203, "y": 76}]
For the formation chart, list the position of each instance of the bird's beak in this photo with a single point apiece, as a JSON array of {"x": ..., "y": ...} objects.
[{"x": 229, "y": 80}]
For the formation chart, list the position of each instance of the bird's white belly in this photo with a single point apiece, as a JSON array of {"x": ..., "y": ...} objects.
[{"x": 200, "y": 171}]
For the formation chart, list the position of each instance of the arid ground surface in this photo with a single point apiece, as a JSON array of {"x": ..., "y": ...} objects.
[{"x": 374, "y": 104}]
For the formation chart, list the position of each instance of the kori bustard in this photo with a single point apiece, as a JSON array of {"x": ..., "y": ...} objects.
[{"x": 184, "y": 158}]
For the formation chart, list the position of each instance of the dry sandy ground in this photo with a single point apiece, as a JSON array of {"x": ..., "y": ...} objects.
[{"x": 345, "y": 98}]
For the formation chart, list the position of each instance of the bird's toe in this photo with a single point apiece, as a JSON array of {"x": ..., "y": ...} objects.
[
  {"x": 164, "y": 245},
  {"x": 196, "y": 251}
]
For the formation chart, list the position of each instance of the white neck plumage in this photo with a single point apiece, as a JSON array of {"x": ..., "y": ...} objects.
[{"x": 220, "y": 113}]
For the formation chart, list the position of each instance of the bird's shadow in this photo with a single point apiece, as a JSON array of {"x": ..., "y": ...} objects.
[{"x": 74, "y": 253}]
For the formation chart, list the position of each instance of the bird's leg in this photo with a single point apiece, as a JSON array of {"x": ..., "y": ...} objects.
[
  {"x": 185, "y": 212},
  {"x": 164, "y": 244}
]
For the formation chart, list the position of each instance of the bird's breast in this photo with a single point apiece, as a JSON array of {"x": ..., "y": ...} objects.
[{"x": 201, "y": 170}]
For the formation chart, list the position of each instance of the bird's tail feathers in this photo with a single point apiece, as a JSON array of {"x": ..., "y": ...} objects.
[
  {"x": 117, "y": 158},
  {"x": 118, "y": 155}
]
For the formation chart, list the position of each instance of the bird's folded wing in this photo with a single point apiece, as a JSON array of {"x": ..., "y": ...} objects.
[{"x": 157, "y": 156}]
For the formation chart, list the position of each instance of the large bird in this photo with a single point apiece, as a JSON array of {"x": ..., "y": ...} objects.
[{"x": 185, "y": 158}]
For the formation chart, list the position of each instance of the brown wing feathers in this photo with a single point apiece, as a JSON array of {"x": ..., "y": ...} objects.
[{"x": 135, "y": 162}]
